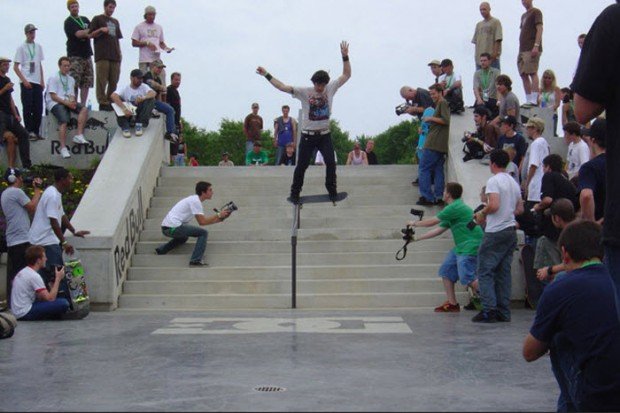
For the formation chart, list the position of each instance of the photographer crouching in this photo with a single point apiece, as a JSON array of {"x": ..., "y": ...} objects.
[
  {"x": 175, "y": 224},
  {"x": 460, "y": 263}
]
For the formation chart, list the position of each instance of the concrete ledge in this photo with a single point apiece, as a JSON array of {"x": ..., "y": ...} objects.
[{"x": 113, "y": 209}]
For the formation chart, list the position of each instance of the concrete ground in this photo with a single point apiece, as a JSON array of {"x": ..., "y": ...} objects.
[{"x": 326, "y": 361}]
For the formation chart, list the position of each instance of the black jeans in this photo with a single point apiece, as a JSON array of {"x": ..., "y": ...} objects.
[
  {"x": 307, "y": 146},
  {"x": 16, "y": 260},
  {"x": 32, "y": 106},
  {"x": 143, "y": 115},
  {"x": 9, "y": 123}
]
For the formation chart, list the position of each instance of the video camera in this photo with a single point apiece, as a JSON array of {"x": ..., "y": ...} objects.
[
  {"x": 402, "y": 108},
  {"x": 409, "y": 234},
  {"x": 230, "y": 206},
  {"x": 468, "y": 135}
]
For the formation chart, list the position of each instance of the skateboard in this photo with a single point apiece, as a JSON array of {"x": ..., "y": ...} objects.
[
  {"x": 77, "y": 293},
  {"x": 533, "y": 286},
  {"x": 313, "y": 199}
]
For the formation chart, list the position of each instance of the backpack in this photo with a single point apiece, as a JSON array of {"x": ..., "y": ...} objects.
[{"x": 7, "y": 325}]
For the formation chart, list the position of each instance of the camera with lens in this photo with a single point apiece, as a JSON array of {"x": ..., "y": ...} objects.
[
  {"x": 409, "y": 232},
  {"x": 230, "y": 206},
  {"x": 402, "y": 108},
  {"x": 28, "y": 180},
  {"x": 468, "y": 135}
]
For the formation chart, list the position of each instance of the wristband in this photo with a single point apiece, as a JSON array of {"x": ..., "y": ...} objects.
[
  {"x": 550, "y": 270},
  {"x": 219, "y": 216},
  {"x": 268, "y": 77},
  {"x": 345, "y": 58},
  {"x": 536, "y": 44}
]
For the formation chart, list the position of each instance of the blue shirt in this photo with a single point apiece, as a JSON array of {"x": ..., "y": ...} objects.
[{"x": 592, "y": 176}]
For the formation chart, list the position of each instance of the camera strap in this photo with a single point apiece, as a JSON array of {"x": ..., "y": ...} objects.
[{"x": 403, "y": 250}]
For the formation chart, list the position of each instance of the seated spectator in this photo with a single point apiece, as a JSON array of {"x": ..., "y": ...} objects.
[
  {"x": 435, "y": 66},
  {"x": 550, "y": 96},
  {"x": 370, "y": 153},
  {"x": 509, "y": 138},
  {"x": 154, "y": 80},
  {"x": 508, "y": 102},
  {"x": 357, "y": 156},
  {"x": 576, "y": 322},
  {"x": 512, "y": 169},
  {"x": 460, "y": 263},
  {"x": 193, "y": 160},
  {"x": 60, "y": 99},
  {"x": 592, "y": 176},
  {"x": 30, "y": 299},
  {"x": 9, "y": 140},
  {"x": 453, "y": 87},
  {"x": 484, "y": 140},
  {"x": 142, "y": 97},
  {"x": 562, "y": 213},
  {"x": 485, "y": 90},
  {"x": 568, "y": 106},
  {"x": 256, "y": 156},
  {"x": 9, "y": 116},
  {"x": 578, "y": 150},
  {"x": 288, "y": 157},
  {"x": 225, "y": 160}
]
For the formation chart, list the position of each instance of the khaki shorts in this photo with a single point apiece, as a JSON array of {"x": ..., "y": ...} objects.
[
  {"x": 82, "y": 71},
  {"x": 547, "y": 253},
  {"x": 527, "y": 64}
]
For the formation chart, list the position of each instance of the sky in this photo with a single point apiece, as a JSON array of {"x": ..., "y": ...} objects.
[{"x": 219, "y": 44}]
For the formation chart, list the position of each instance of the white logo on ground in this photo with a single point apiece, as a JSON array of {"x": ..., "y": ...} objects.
[{"x": 329, "y": 325}]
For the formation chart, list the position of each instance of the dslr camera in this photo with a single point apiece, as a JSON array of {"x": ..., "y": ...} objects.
[
  {"x": 402, "y": 108},
  {"x": 468, "y": 135},
  {"x": 408, "y": 232}
]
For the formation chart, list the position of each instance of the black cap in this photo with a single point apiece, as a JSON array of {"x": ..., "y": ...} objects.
[
  {"x": 509, "y": 119},
  {"x": 446, "y": 62},
  {"x": 11, "y": 174},
  {"x": 597, "y": 130},
  {"x": 137, "y": 73}
]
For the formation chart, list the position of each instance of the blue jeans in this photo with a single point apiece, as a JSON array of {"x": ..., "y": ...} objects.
[
  {"x": 494, "y": 261},
  {"x": 249, "y": 145},
  {"x": 459, "y": 267},
  {"x": 612, "y": 261},
  {"x": 180, "y": 235},
  {"x": 431, "y": 166},
  {"x": 279, "y": 152},
  {"x": 46, "y": 310},
  {"x": 167, "y": 110}
]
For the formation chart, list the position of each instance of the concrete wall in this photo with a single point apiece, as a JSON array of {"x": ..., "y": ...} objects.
[
  {"x": 99, "y": 130},
  {"x": 113, "y": 209}
]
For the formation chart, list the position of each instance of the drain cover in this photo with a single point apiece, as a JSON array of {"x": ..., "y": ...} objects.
[{"x": 269, "y": 389}]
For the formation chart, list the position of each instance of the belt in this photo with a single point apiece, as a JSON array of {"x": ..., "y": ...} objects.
[{"x": 315, "y": 132}]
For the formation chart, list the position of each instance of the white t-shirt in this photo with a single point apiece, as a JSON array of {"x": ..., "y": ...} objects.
[
  {"x": 183, "y": 212},
  {"x": 578, "y": 154},
  {"x": 509, "y": 194},
  {"x": 153, "y": 33},
  {"x": 316, "y": 107},
  {"x": 450, "y": 80},
  {"x": 29, "y": 56},
  {"x": 539, "y": 149},
  {"x": 26, "y": 284},
  {"x": 129, "y": 94},
  {"x": 50, "y": 206},
  {"x": 63, "y": 86}
]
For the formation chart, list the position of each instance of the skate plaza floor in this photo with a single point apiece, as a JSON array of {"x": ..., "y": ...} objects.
[{"x": 274, "y": 361}]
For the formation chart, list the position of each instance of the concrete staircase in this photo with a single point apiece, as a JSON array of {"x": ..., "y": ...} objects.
[{"x": 345, "y": 253}]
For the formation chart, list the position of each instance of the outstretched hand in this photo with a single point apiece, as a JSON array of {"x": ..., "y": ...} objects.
[
  {"x": 261, "y": 70},
  {"x": 344, "y": 48}
]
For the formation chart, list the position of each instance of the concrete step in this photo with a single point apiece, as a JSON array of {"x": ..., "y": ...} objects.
[
  {"x": 283, "y": 259},
  {"x": 309, "y": 272},
  {"x": 273, "y": 301},
  {"x": 259, "y": 247},
  {"x": 366, "y": 286}
]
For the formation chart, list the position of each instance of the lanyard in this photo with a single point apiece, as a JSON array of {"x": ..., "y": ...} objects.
[
  {"x": 79, "y": 22},
  {"x": 592, "y": 262},
  {"x": 65, "y": 83},
  {"x": 32, "y": 52},
  {"x": 449, "y": 80},
  {"x": 484, "y": 78},
  {"x": 546, "y": 96}
]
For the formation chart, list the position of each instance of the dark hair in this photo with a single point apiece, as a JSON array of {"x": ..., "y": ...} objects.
[
  {"x": 175, "y": 74},
  {"x": 564, "y": 209},
  {"x": 60, "y": 174},
  {"x": 582, "y": 240},
  {"x": 499, "y": 157},
  {"x": 554, "y": 161},
  {"x": 485, "y": 54},
  {"x": 62, "y": 59},
  {"x": 454, "y": 189},
  {"x": 573, "y": 128},
  {"x": 33, "y": 254},
  {"x": 436, "y": 87},
  {"x": 598, "y": 132},
  {"x": 320, "y": 77},
  {"x": 504, "y": 80},
  {"x": 286, "y": 107},
  {"x": 582, "y": 36},
  {"x": 202, "y": 187},
  {"x": 482, "y": 111},
  {"x": 107, "y": 2}
]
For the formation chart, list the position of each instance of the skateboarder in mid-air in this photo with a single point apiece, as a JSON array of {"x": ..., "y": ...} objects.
[{"x": 316, "y": 105}]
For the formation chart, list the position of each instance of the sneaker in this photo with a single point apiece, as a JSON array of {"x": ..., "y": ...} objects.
[
  {"x": 333, "y": 197},
  {"x": 33, "y": 136},
  {"x": 474, "y": 304},
  {"x": 415, "y": 182},
  {"x": 79, "y": 139},
  {"x": 448, "y": 308},
  {"x": 485, "y": 317},
  {"x": 501, "y": 318},
  {"x": 64, "y": 152},
  {"x": 126, "y": 133},
  {"x": 158, "y": 252},
  {"x": 172, "y": 137},
  {"x": 198, "y": 264},
  {"x": 425, "y": 202},
  {"x": 440, "y": 202},
  {"x": 155, "y": 114},
  {"x": 295, "y": 199},
  {"x": 139, "y": 130}
]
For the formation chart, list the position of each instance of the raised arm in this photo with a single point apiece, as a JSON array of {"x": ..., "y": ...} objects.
[
  {"x": 275, "y": 82},
  {"x": 346, "y": 64}
]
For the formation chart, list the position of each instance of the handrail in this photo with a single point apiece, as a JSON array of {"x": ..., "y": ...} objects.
[{"x": 294, "y": 229}]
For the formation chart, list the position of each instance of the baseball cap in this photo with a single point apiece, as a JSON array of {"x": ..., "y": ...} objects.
[
  {"x": 509, "y": 119},
  {"x": 11, "y": 173},
  {"x": 434, "y": 62},
  {"x": 149, "y": 9},
  {"x": 70, "y": 2},
  {"x": 224, "y": 153},
  {"x": 257, "y": 143},
  {"x": 254, "y": 105},
  {"x": 29, "y": 27},
  {"x": 158, "y": 63},
  {"x": 137, "y": 73},
  {"x": 597, "y": 130},
  {"x": 536, "y": 123},
  {"x": 5, "y": 59},
  {"x": 446, "y": 62}
]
